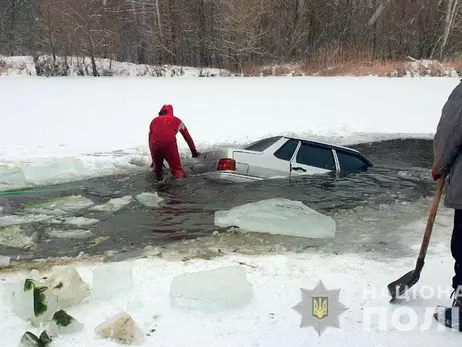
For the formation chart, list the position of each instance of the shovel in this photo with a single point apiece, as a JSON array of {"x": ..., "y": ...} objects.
[{"x": 402, "y": 284}]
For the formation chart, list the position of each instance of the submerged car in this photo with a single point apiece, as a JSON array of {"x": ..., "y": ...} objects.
[{"x": 278, "y": 157}]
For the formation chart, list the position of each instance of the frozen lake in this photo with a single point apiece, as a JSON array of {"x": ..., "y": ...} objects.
[{"x": 371, "y": 210}]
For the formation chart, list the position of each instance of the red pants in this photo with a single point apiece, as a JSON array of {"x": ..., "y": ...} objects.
[{"x": 168, "y": 152}]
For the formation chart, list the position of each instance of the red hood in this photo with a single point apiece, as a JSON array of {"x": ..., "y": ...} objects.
[{"x": 166, "y": 110}]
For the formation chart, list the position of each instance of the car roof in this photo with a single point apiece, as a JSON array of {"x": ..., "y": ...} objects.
[
  {"x": 346, "y": 149},
  {"x": 322, "y": 144}
]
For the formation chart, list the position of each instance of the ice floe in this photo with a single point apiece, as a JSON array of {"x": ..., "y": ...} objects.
[
  {"x": 149, "y": 199},
  {"x": 278, "y": 216},
  {"x": 113, "y": 205},
  {"x": 70, "y": 234},
  {"x": 14, "y": 236},
  {"x": 211, "y": 291},
  {"x": 61, "y": 205}
]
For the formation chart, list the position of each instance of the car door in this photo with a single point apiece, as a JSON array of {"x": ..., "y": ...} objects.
[
  {"x": 312, "y": 159},
  {"x": 351, "y": 162},
  {"x": 275, "y": 162}
]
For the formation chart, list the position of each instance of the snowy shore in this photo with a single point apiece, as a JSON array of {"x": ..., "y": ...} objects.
[{"x": 268, "y": 318}]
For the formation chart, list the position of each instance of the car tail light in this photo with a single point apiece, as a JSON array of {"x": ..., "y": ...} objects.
[{"x": 226, "y": 164}]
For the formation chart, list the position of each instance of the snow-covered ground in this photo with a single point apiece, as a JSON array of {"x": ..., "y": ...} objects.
[
  {"x": 269, "y": 318},
  {"x": 66, "y": 128}
]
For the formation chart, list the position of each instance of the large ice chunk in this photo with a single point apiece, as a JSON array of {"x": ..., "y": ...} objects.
[
  {"x": 70, "y": 234},
  {"x": 32, "y": 301},
  {"x": 29, "y": 339},
  {"x": 12, "y": 175},
  {"x": 278, "y": 216},
  {"x": 77, "y": 221},
  {"x": 9, "y": 220},
  {"x": 113, "y": 205},
  {"x": 149, "y": 199},
  {"x": 4, "y": 261},
  {"x": 62, "y": 324},
  {"x": 110, "y": 280},
  {"x": 216, "y": 290},
  {"x": 52, "y": 170},
  {"x": 121, "y": 329},
  {"x": 67, "y": 285},
  {"x": 62, "y": 205},
  {"x": 13, "y": 236}
]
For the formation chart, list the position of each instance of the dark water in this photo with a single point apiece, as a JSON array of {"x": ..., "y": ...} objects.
[{"x": 400, "y": 174}]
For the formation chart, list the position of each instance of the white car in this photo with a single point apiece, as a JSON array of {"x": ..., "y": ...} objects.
[{"x": 278, "y": 157}]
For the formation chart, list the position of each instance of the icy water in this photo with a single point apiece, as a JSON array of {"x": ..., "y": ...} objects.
[{"x": 371, "y": 209}]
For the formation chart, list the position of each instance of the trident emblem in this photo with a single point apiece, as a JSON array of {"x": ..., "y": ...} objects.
[{"x": 320, "y": 305}]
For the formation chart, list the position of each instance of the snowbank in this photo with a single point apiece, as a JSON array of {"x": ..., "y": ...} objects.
[
  {"x": 81, "y": 66},
  {"x": 62, "y": 129},
  {"x": 408, "y": 68},
  {"x": 268, "y": 318}
]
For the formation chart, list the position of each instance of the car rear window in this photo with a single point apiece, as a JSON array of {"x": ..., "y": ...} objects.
[
  {"x": 351, "y": 161},
  {"x": 316, "y": 156},
  {"x": 261, "y": 145},
  {"x": 287, "y": 150}
]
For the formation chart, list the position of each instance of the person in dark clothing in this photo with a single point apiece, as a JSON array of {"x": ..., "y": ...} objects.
[
  {"x": 163, "y": 145},
  {"x": 447, "y": 150}
]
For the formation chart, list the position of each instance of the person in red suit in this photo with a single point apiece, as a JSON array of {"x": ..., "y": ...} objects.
[{"x": 162, "y": 142}]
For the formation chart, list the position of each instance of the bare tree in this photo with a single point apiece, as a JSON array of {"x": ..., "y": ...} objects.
[
  {"x": 232, "y": 33},
  {"x": 451, "y": 12},
  {"x": 86, "y": 23},
  {"x": 50, "y": 24},
  {"x": 240, "y": 32}
]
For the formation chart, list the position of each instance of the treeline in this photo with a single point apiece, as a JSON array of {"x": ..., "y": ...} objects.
[{"x": 232, "y": 34}]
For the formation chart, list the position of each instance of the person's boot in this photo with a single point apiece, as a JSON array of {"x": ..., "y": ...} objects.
[
  {"x": 457, "y": 301},
  {"x": 451, "y": 317}
]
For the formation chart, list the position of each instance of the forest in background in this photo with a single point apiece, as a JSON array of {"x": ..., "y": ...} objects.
[{"x": 238, "y": 35}]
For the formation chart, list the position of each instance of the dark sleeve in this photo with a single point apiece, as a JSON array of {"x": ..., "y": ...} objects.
[{"x": 448, "y": 137}]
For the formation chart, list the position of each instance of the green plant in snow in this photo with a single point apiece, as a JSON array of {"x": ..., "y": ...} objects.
[
  {"x": 40, "y": 299},
  {"x": 62, "y": 318},
  {"x": 31, "y": 340}
]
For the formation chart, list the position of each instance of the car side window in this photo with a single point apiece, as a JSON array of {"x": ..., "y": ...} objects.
[
  {"x": 261, "y": 145},
  {"x": 350, "y": 161},
  {"x": 286, "y": 151},
  {"x": 316, "y": 156}
]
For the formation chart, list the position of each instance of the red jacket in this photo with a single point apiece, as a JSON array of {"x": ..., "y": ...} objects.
[{"x": 164, "y": 128}]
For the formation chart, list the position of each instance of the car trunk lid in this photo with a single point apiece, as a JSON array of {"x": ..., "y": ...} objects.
[{"x": 222, "y": 159}]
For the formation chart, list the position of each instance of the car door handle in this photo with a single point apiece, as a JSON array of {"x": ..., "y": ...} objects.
[{"x": 298, "y": 169}]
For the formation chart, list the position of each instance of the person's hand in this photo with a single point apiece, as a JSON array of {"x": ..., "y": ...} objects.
[{"x": 434, "y": 175}]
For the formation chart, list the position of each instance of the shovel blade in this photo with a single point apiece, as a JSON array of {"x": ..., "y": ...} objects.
[{"x": 401, "y": 285}]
